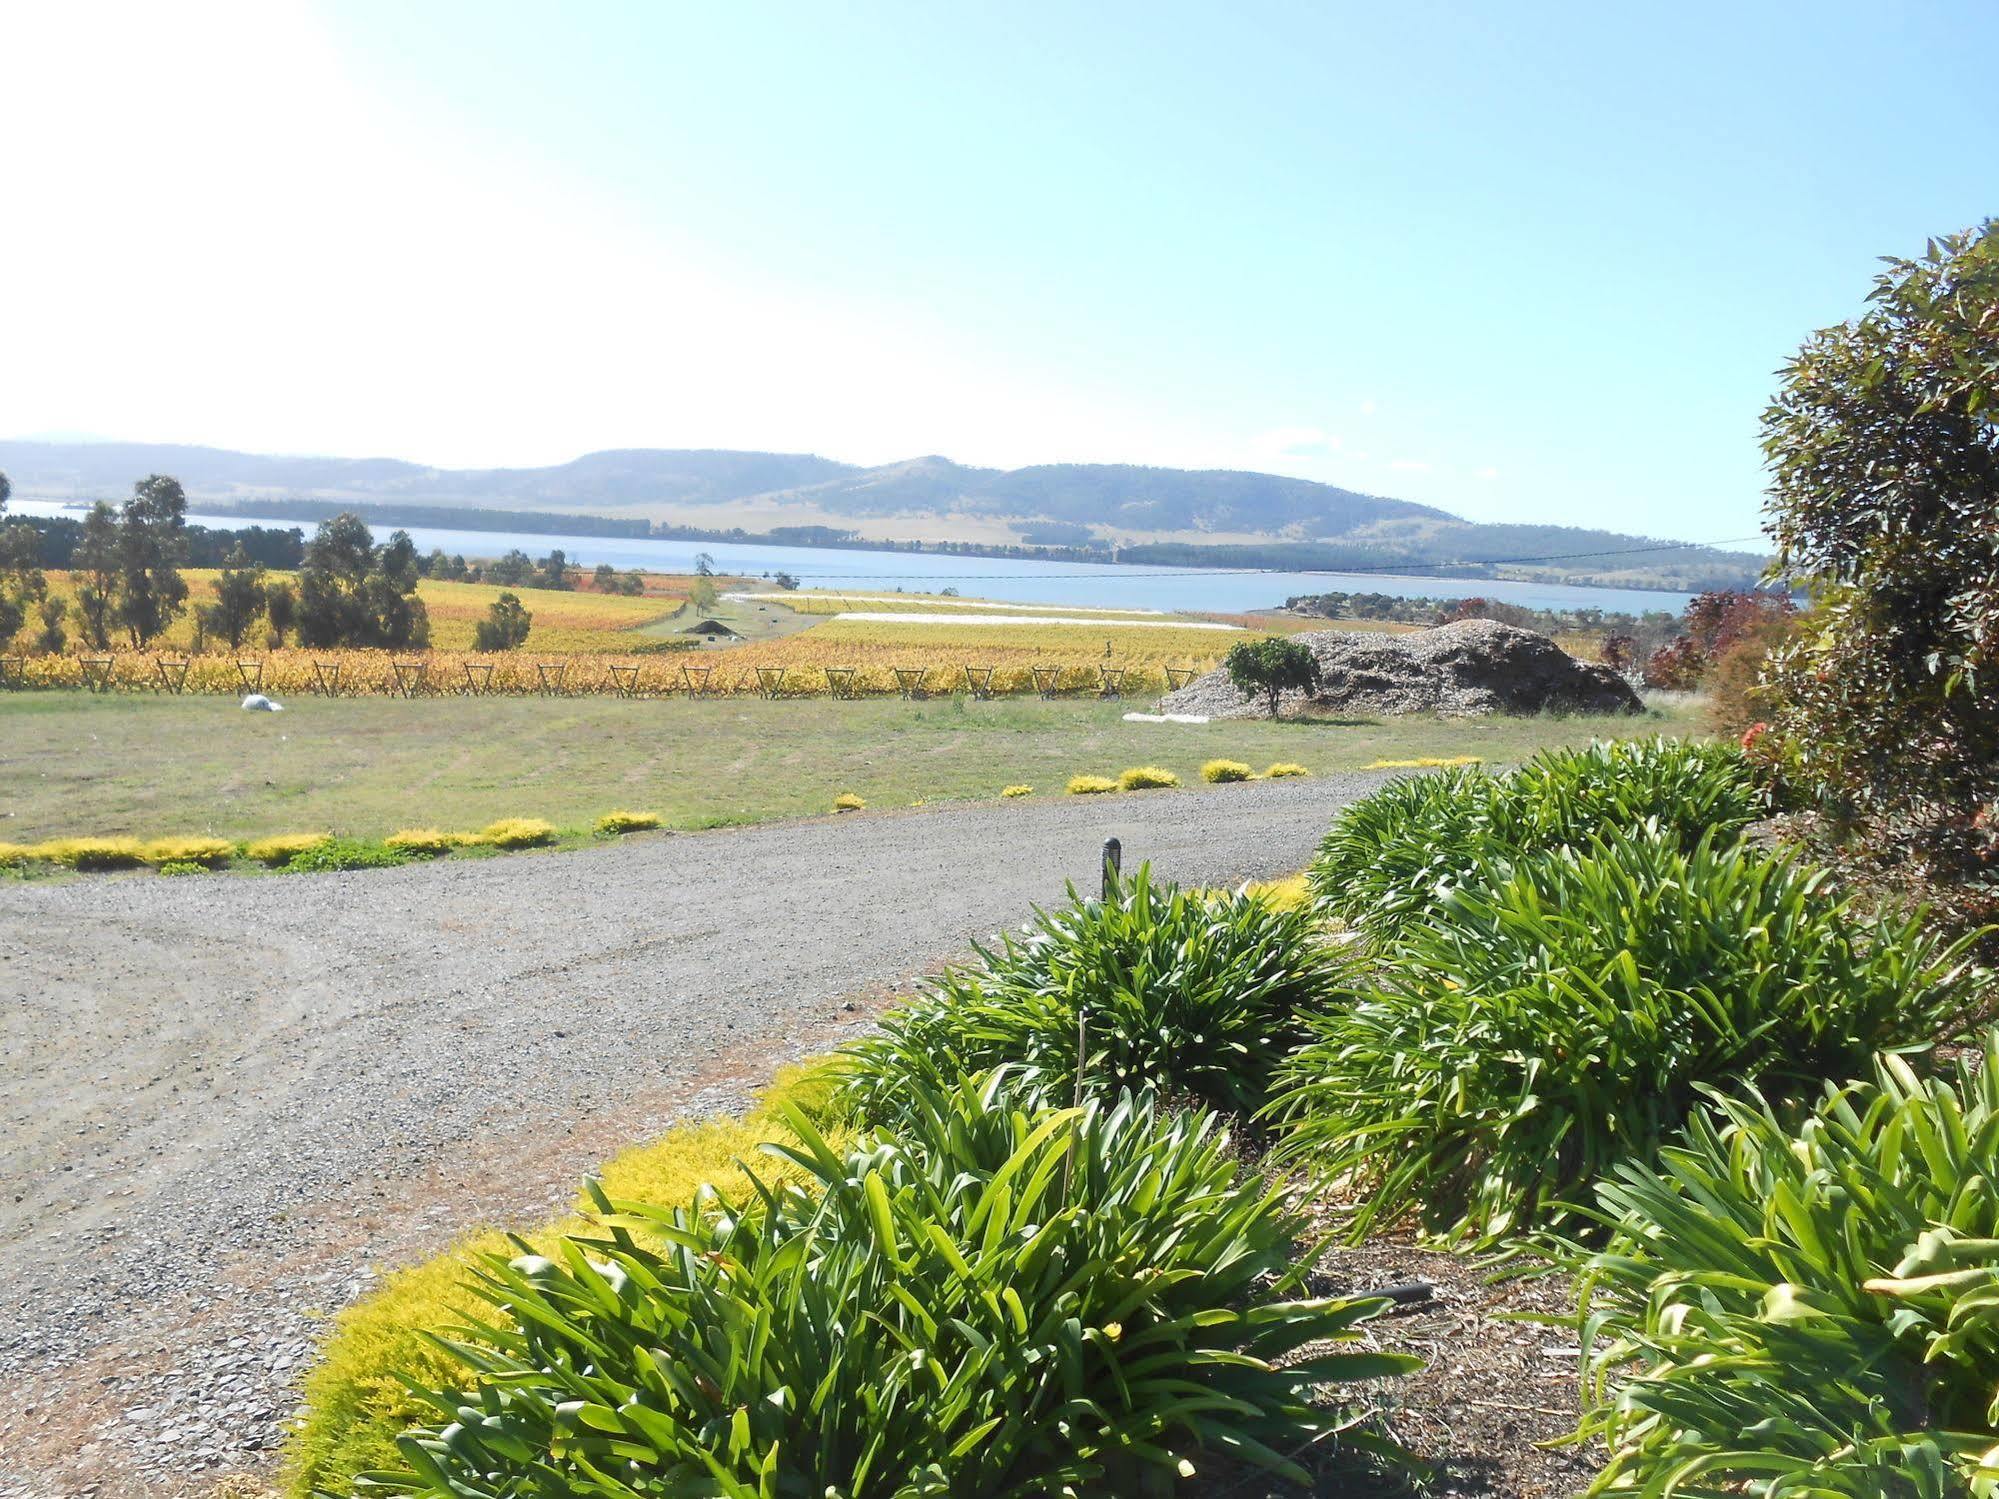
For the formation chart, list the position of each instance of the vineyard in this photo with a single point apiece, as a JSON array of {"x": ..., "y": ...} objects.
[
  {"x": 588, "y": 643},
  {"x": 566, "y": 622},
  {"x": 780, "y": 669}
]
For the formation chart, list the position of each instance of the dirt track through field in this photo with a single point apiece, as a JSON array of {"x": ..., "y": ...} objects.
[{"x": 229, "y": 1102}]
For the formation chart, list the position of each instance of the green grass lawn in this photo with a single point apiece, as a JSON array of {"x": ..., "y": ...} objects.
[{"x": 74, "y": 764}]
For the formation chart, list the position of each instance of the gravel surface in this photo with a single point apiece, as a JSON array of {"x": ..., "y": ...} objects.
[{"x": 229, "y": 1103}]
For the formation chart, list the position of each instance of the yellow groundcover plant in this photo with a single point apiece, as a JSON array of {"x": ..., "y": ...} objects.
[
  {"x": 846, "y": 801},
  {"x": 1425, "y": 762},
  {"x": 1018, "y": 791},
  {"x": 92, "y": 853},
  {"x": 212, "y": 853},
  {"x": 431, "y": 843},
  {"x": 279, "y": 849},
  {"x": 1146, "y": 778},
  {"x": 518, "y": 832},
  {"x": 1090, "y": 785},
  {"x": 1220, "y": 772},
  {"x": 355, "y": 1406},
  {"x": 1287, "y": 894},
  {"x": 622, "y": 821},
  {"x": 1285, "y": 770}
]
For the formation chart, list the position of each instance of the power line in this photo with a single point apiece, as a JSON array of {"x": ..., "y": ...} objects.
[{"x": 1096, "y": 569}]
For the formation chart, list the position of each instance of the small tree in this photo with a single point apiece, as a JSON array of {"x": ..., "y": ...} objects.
[
  {"x": 704, "y": 565},
  {"x": 702, "y": 595},
  {"x": 51, "y": 637},
  {"x": 353, "y": 594},
  {"x": 605, "y": 578},
  {"x": 555, "y": 570},
  {"x": 514, "y": 570},
  {"x": 633, "y": 583},
  {"x": 785, "y": 581},
  {"x": 240, "y": 595},
  {"x": 1272, "y": 666},
  {"x": 94, "y": 571},
  {"x": 152, "y": 547},
  {"x": 1883, "y": 446},
  {"x": 22, "y": 585},
  {"x": 505, "y": 626},
  {"x": 281, "y": 609}
]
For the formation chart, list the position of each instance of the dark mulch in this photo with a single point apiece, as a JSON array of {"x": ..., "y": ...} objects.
[{"x": 1494, "y": 1393}]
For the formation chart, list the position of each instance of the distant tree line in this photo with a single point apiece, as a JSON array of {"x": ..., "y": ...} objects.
[
  {"x": 56, "y": 538},
  {"x": 128, "y": 564},
  {"x": 516, "y": 569},
  {"x": 1436, "y": 554},
  {"x": 128, "y": 585},
  {"x": 1659, "y": 625}
]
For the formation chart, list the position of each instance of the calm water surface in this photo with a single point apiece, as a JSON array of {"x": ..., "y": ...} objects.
[{"x": 1106, "y": 585}]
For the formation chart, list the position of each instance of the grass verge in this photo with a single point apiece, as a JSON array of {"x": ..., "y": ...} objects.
[{"x": 72, "y": 762}]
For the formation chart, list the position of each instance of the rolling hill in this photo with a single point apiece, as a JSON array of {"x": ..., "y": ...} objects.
[{"x": 1223, "y": 517}]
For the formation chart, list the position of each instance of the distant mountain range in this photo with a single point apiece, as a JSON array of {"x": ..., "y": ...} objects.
[{"x": 1173, "y": 511}]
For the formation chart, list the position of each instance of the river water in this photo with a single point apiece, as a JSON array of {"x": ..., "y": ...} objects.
[{"x": 1105, "y": 585}]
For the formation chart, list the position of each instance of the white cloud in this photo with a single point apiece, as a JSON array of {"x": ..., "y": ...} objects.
[
  {"x": 1410, "y": 465},
  {"x": 1488, "y": 473}
]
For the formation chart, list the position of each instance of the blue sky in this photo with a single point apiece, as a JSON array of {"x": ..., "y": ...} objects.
[{"x": 1530, "y": 262}]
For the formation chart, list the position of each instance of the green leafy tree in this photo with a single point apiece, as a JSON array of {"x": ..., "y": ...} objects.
[
  {"x": 784, "y": 581},
  {"x": 51, "y": 637},
  {"x": 632, "y": 583},
  {"x": 704, "y": 565},
  {"x": 94, "y": 573},
  {"x": 22, "y": 585},
  {"x": 336, "y": 565},
  {"x": 702, "y": 595},
  {"x": 555, "y": 570},
  {"x": 240, "y": 595},
  {"x": 152, "y": 548},
  {"x": 353, "y": 594},
  {"x": 605, "y": 578},
  {"x": 1271, "y": 667},
  {"x": 396, "y": 617},
  {"x": 1883, "y": 447},
  {"x": 281, "y": 609},
  {"x": 515, "y": 570},
  {"x": 505, "y": 626}
]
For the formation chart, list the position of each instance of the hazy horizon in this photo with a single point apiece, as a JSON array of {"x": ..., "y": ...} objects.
[{"x": 1533, "y": 267}]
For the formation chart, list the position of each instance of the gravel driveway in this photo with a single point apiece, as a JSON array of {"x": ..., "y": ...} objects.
[{"x": 229, "y": 1102}]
